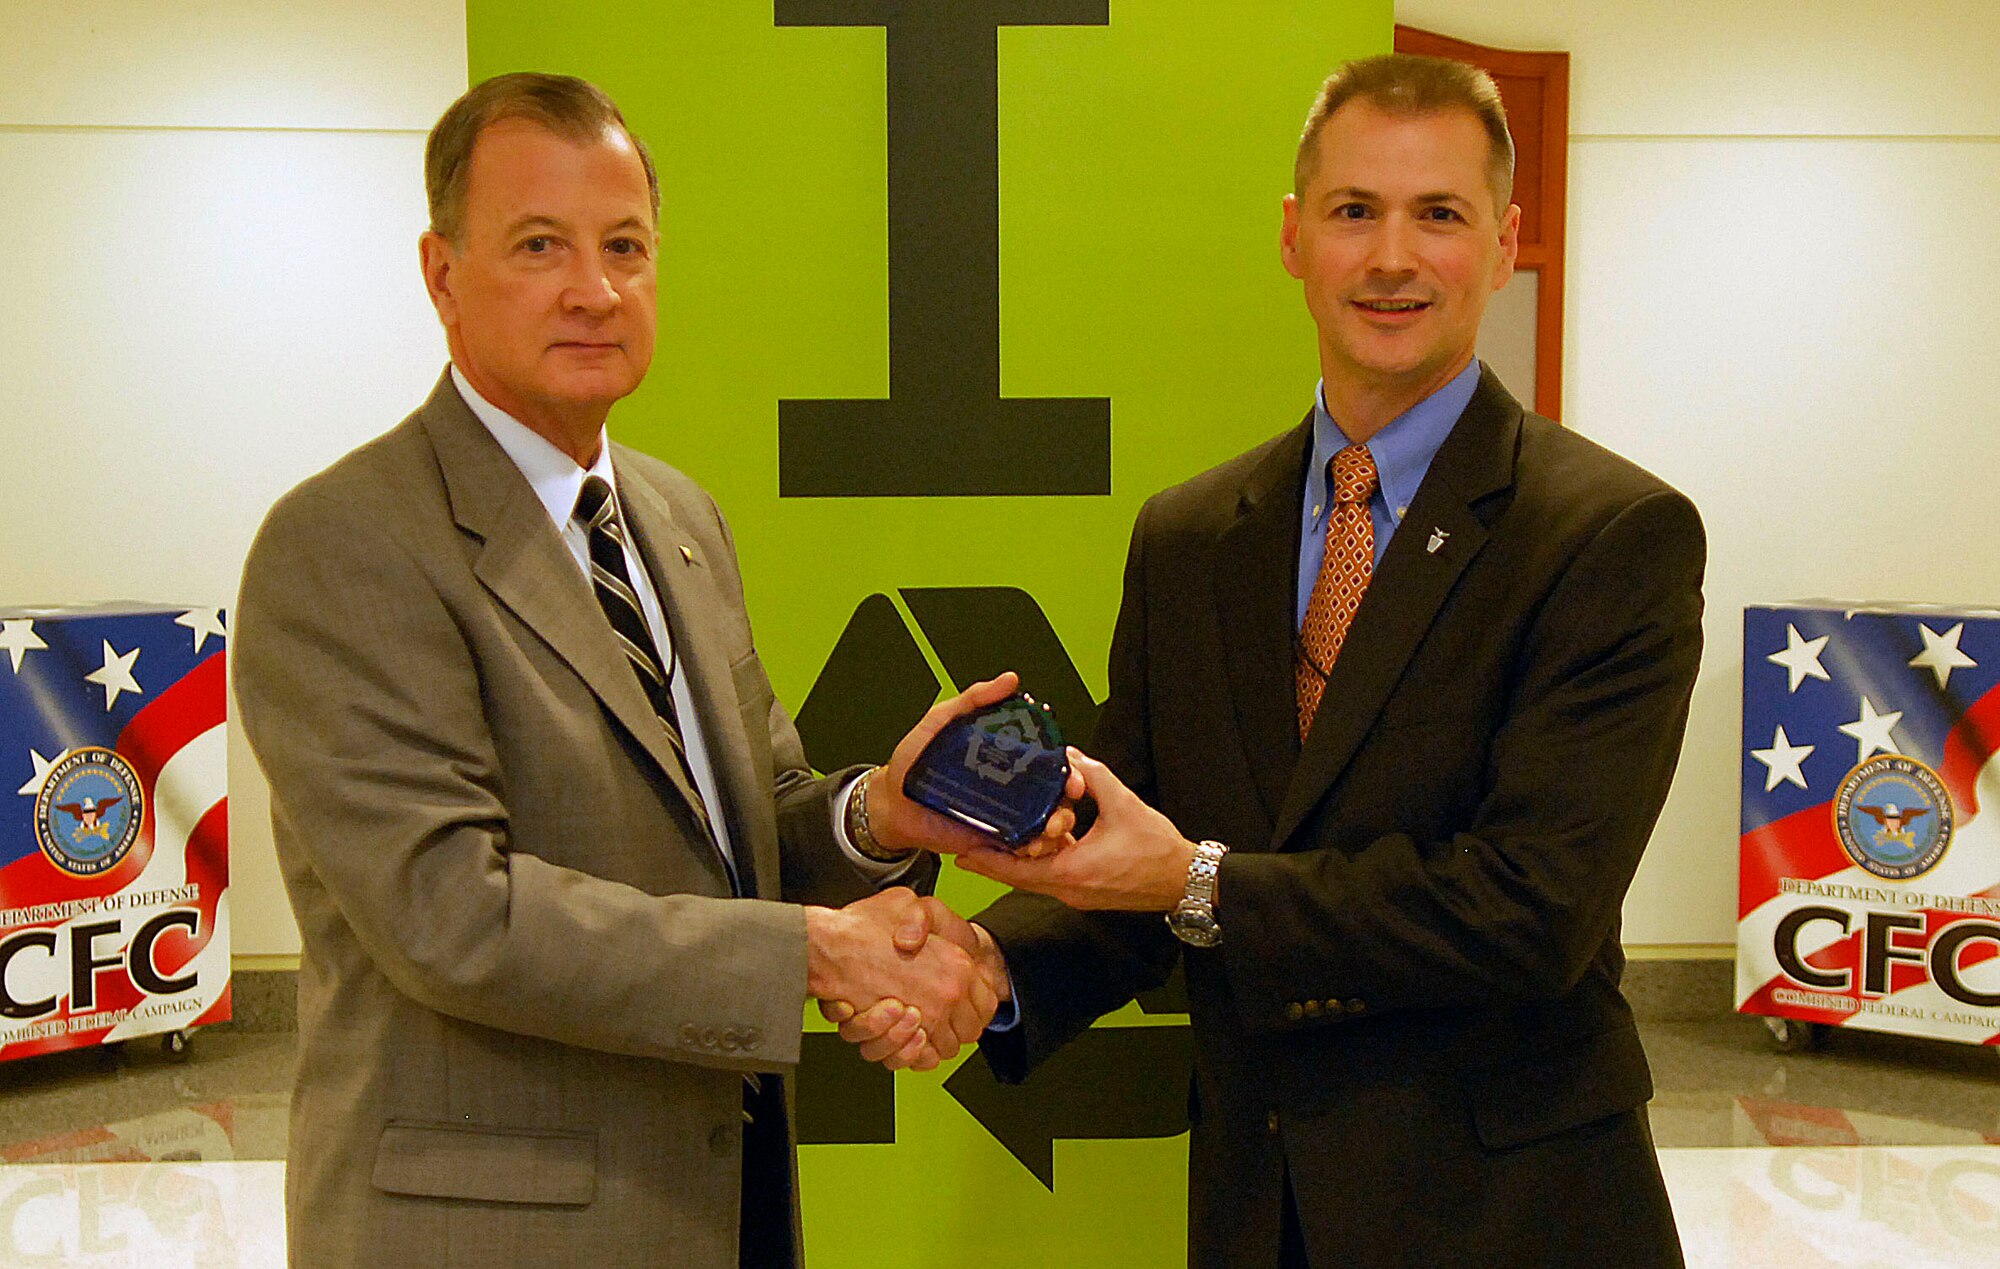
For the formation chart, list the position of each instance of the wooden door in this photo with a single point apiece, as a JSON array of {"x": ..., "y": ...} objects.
[{"x": 1524, "y": 325}]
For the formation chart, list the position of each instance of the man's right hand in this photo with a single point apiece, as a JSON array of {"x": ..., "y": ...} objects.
[
  {"x": 882, "y": 1029},
  {"x": 922, "y": 998}
]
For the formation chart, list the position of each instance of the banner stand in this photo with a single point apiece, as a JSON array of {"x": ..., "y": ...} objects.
[
  {"x": 114, "y": 860},
  {"x": 1869, "y": 886}
]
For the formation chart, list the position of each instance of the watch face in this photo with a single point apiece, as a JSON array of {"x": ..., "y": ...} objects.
[{"x": 1195, "y": 928}]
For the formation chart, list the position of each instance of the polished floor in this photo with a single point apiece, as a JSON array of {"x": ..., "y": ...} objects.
[{"x": 1871, "y": 1151}]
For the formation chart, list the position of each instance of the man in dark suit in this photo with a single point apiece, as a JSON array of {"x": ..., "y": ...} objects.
[
  {"x": 546, "y": 829},
  {"x": 1395, "y": 700}
]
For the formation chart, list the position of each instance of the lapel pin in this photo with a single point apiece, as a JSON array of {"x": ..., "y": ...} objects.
[
  {"x": 1438, "y": 537},
  {"x": 687, "y": 553}
]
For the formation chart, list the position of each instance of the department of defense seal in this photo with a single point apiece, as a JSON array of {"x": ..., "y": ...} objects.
[
  {"x": 1893, "y": 817},
  {"x": 89, "y": 811}
]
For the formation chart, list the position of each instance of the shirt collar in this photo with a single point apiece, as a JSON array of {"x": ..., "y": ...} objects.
[
  {"x": 554, "y": 475},
  {"x": 1403, "y": 450}
]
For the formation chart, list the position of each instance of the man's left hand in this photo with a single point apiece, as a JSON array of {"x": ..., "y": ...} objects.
[
  {"x": 1133, "y": 859},
  {"x": 900, "y": 824}
]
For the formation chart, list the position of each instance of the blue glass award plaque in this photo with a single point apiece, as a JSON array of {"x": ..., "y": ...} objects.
[{"x": 1000, "y": 769}]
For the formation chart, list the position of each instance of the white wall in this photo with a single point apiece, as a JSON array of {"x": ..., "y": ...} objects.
[
  {"x": 1782, "y": 264},
  {"x": 1782, "y": 296},
  {"x": 212, "y": 211}
]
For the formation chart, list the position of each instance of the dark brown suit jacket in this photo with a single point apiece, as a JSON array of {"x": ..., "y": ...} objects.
[{"x": 1414, "y": 1011}]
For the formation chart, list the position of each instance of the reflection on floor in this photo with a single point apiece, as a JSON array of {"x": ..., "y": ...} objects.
[
  {"x": 1875, "y": 1150},
  {"x": 99, "y": 1215},
  {"x": 1803, "y": 1208}
]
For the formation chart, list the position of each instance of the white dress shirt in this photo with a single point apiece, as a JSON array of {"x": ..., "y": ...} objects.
[{"x": 557, "y": 480}]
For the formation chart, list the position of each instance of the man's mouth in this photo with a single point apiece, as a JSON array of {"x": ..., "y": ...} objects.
[{"x": 1391, "y": 306}]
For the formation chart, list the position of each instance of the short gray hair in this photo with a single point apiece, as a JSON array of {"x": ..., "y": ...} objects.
[{"x": 572, "y": 108}]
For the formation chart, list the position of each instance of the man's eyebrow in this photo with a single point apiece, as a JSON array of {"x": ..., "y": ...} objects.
[
  {"x": 533, "y": 222},
  {"x": 1350, "y": 193},
  {"x": 1354, "y": 193},
  {"x": 630, "y": 222}
]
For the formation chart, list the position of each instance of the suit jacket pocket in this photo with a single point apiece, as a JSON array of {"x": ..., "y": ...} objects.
[
  {"x": 1526, "y": 1100},
  {"x": 486, "y": 1162}
]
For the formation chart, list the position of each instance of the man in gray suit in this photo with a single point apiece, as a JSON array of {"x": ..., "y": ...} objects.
[{"x": 535, "y": 802}]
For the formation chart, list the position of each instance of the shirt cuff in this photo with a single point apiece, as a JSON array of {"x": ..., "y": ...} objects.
[
  {"x": 1008, "y": 1015},
  {"x": 873, "y": 869}
]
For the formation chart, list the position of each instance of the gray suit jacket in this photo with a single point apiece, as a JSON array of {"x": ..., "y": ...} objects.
[{"x": 526, "y": 996}]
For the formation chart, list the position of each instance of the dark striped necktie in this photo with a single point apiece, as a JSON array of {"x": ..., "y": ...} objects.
[
  {"x": 597, "y": 514},
  {"x": 597, "y": 511}
]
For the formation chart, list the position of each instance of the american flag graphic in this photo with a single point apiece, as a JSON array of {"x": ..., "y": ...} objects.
[
  {"x": 147, "y": 683},
  {"x": 1827, "y": 688}
]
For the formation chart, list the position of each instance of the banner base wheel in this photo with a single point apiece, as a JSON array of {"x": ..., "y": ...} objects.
[{"x": 1790, "y": 1035}]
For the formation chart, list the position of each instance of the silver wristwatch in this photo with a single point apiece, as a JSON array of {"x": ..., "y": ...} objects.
[{"x": 1193, "y": 919}]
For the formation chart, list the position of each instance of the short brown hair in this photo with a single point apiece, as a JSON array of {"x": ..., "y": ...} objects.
[
  {"x": 572, "y": 108},
  {"x": 1408, "y": 84}
]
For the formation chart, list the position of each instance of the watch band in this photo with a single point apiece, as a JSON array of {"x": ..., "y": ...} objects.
[
  {"x": 1202, "y": 872},
  {"x": 1193, "y": 919},
  {"x": 858, "y": 830}
]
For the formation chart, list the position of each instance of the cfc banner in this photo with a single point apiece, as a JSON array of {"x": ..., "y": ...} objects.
[
  {"x": 1870, "y": 886},
  {"x": 114, "y": 862}
]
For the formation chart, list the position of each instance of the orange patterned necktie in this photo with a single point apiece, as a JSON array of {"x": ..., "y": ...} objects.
[{"x": 1343, "y": 577}]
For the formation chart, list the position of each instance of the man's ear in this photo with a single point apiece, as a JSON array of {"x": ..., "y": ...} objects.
[
  {"x": 1288, "y": 238},
  {"x": 437, "y": 256},
  {"x": 1510, "y": 245}
]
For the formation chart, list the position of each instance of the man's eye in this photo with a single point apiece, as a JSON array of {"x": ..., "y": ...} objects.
[
  {"x": 1351, "y": 211},
  {"x": 537, "y": 245},
  {"x": 1443, "y": 214},
  {"x": 626, "y": 247}
]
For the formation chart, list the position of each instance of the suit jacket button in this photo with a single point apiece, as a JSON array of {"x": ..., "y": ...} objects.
[
  {"x": 690, "y": 1035},
  {"x": 1312, "y": 1008},
  {"x": 1295, "y": 1011},
  {"x": 1355, "y": 1006},
  {"x": 1332, "y": 1005},
  {"x": 752, "y": 1037},
  {"x": 1271, "y": 1121},
  {"x": 721, "y": 1140},
  {"x": 708, "y": 1038},
  {"x": 730, "y": 1040}
]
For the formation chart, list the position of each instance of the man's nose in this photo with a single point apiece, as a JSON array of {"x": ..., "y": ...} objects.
[
  {"x": 1393, "y": 248},
  {"x": 590, "y": 289}
]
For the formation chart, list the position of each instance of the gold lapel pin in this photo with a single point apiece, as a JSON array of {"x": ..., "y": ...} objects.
[
  {"x": 1438, "y": 537},
  {"x": 687, "y": 553}
]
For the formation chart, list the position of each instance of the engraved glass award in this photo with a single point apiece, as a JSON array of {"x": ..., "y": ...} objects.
[{"x": 1000, "y": 769}]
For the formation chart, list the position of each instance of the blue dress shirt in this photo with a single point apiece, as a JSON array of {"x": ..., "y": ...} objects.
[{"x": 1403, "y": 451}]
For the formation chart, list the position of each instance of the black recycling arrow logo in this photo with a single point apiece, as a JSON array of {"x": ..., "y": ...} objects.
[
  {"x": 877, "y": 682},
  {"x": 1109, "y": 1082},
  {"x": 843, "y": 1098},
  {"x": 847, "y": 1099}
]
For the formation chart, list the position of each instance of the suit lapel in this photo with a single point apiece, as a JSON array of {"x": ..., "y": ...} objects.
[
  {"x": 526, "y": 567},
  {"x": 1256, "y": 576},
  {"x": 688, "y": 599},
  {"x": 1410, "y": 585}
]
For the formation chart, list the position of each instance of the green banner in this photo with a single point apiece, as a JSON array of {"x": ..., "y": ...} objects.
[{"x": 946, "y": 291}]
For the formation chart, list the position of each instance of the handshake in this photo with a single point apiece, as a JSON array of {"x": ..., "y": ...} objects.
[{"x": 910, "y": 981}]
